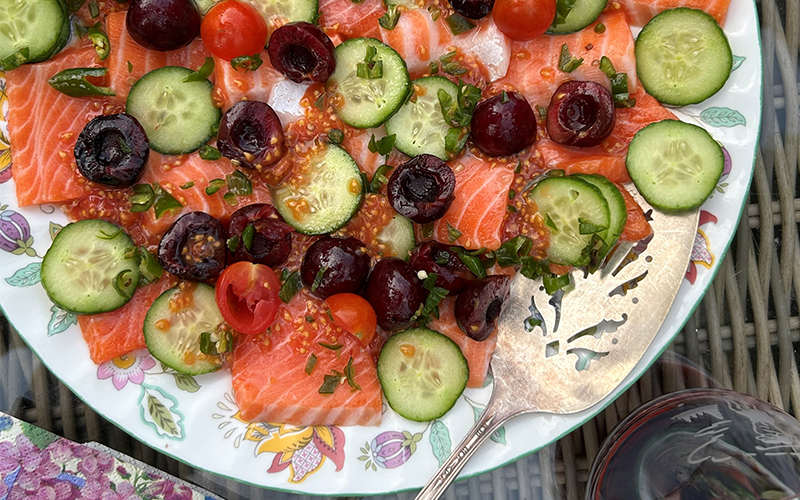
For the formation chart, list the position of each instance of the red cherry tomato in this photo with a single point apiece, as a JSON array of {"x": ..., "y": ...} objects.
[
  {"x": 523, "y": 19},
  {"x": 247, "y": 296},
  {"x": 353, "y": 314},
  {"x": 232, "y": 29}
]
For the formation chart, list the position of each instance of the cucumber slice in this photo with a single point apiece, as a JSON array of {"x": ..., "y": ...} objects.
[
  {"x": 398, "y": 236},
  {"x": 323, "y": 193},
  {"x": 583, "y": 13},
  {"x": 419, "y": 125},
  {"x": 575, "y": 212},
  {"x": 674, "y": 165},
  {"x": 287, "y": 10},
  {"x": 91, "y": 267},
  {"x": 683, "y": 56},
  {"x": 370, "y": 99},
  {"x": 205, "y": 5},
  {"x": 422, "y": 373},
  {"x": 178, "y": 117},
  {"x": 40, "y": 26},
  {"x": 618, "y": 212},
  {"x": 172, "y": 329}
]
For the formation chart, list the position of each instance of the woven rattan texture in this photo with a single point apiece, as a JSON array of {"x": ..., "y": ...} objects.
[{"x": 744, "y": 334}]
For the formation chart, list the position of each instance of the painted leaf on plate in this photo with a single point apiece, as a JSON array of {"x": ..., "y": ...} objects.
[
  {"x": 440, "y": 441},
  {"x": 160, "y": 410},
  {"x": 722, "y": 117},
  {"x": 60, "y": 320},
  {"x": 27, "y": 276}
]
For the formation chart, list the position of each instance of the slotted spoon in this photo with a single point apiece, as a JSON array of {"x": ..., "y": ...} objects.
[{"x": 565, "y": 355}]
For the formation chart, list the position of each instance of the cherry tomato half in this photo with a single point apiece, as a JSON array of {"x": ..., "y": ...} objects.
[
  {"x": 353, "y": 314},
  {"x": 247, "y": 296},
  {"x": 232, "y": 29},
  {"x": 523, "y": 19}
]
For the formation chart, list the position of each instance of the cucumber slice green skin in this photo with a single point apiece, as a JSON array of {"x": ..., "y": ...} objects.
[
  {"x": 683, "y": 56},
  {"x": 44, "y": 37},
  {"x": 422, "y": 373},
  {"x": 178, "y": 117},
  {"x": 363, "y": 102},
  {"x": 568, "y": 202},
  {"x": 674, "y": 165},
  {"x": 583, "y": 13},
  {"x": 174, "y": 337},
  {"x": 618, "y": 211},
  {"x": 85, "y": 261},
  {"x": 419, "y": 125},
  {"x": 399, "y": 237},
  {"x": 288, "y": 10},
  {"x": 323, "y": 193}
]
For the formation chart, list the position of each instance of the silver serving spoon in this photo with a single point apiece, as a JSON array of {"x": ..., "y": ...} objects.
[{"x": 565, "y": 354}]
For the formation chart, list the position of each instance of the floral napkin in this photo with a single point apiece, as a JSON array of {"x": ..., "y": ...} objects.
[{"x": 37, "y": 464}]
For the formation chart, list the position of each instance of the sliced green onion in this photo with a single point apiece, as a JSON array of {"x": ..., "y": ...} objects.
[
  {"x": 73, "y": 82},
  {"x": 203, "y": 72}
]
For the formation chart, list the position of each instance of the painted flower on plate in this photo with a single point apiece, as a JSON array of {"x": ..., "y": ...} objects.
[
  {"x": 127, "y": 368},
  {"x": 302, "y": 450},
  {"x": 168, "y": 490},
  {"x": 391, "y": 449}
]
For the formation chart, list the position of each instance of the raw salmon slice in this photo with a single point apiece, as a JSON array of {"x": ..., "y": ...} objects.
[
  {"x": 116, "y": 333},
  {"x": 419, "y": 40},
  {"x": 350, "y": 19},
  {"x": 129, "y": 61},
  {"x": 175, "y": 174},
  {"x": 270, "y": 382},
  {"x": 43, "y": 125},
  {"x": 480, "y": 204},
  {"x": 234, "y": 85},
  {"x": 639, "y": 12},
  {"x": 534, "y": 65},
  {"x": 478, "y": 354}
]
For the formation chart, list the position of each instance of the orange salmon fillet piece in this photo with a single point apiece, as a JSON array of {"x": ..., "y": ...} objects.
[
  {"x": 43, "y": 125},
  {"x": 639, "y": 12},
  {"x": 480, "y": 204},
  {"x": 113, "y": 334},
  {"x": 269, "y": 379}
]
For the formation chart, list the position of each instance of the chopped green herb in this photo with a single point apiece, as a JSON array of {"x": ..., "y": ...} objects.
[
  {"x": 122, "y": 284},
  {"x": 202, "y": 73},
  {"x": 383, "y": 146},
  {"x": 350, "y": 375},
  {"x": 188, "y": 185},
  {"x": 109, "y": 236},
  {"x": 512, "y": 251},
  {"x": 336, "y": 136},
  {"x": 459, "y": 24},
  {"x": 311, "y": 363},
  {"x": 587, "y": 227},
  {"x": 453, "y": 68},
  {"x": 607, "y": 67},
  {"x": 330, "y": 384},
  {"x": 435, "y": 12},
  {"x": 214, "y": 186},
  {"x": 164, "y": 201},
  {"x": 332, "y": 347},
  {"x": 619, "y": 84},
  {"x": 563, "y": 8},
  {"x": 309, "y": 318},
  {"x": 230, "y": 199},
  {"x": 548, "y": 221},
  {"x": 503, "y": 97},
  {"x": 566, "y": 62},
  {"x": 149, "y": 268},
  {"x": 233, "y": 242},
  {"x": 511, "y": 194},
  {"x": 370, "y": 68},
  {"x": 211, "y": 348},
  {"x": 318, "y": 278},
  {"x": 552, "y": 282},
  {"x": 130, "y": 67},
  {"x": 441, "y": 258},
  {"x": 518, "y": 168},
  {"x": 456, "y": 139},
  {"x": 427, "y": 231},
  {"x": 73, "y": 82},
  {"x": 448, "y": 57},
  {"x": 291, "y": 285},
  {"x": 247, "y": 63},
  {"x": 247, "y": 236},
  {"x": 511, "y": 208},
  {"x": 124, "y": 146},
  {"x": 452, "y": 233},
  {"x": 434, "y": 67},
  {"x": 142, "y": 198},
  {"x": 239, "y": 184},
  {"x": 209, "y": 153},
  {"x": 542, "y": 110},
  {"x": 75, "y": 5},
  {"x": 473, "y": 263},
  {"x": 100, "y": 41},
  {"x": 380, "y": 178},
  {"x": 389, "y": 20},
  {"x": 600, "y": 28},
  {"x": 320, "y": 102},
  {"x": 16, "y": 59},
  {"x": 94, "y": 10}
]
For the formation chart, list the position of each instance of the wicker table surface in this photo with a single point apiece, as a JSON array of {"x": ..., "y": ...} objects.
[{"x": 744, "y": 334}]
